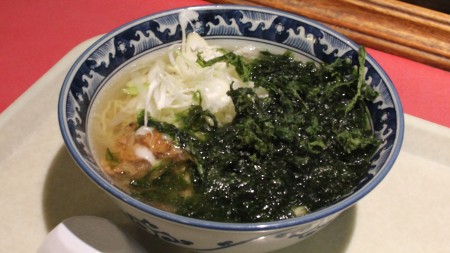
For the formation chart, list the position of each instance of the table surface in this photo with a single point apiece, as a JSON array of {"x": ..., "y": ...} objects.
[{"x": 37, "y": 34}]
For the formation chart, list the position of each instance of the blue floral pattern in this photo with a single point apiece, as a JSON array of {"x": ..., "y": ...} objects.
[
  {"x": 291, "y": 234},
  {"x": 155, "y": 231}
]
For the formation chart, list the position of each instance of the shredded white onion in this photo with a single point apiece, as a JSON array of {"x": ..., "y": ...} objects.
[
  {"x": 145, "y": 153},
  {"x": 170, "y": 84}
]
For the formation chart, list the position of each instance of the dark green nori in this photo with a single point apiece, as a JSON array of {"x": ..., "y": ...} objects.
[{"x": 308, "y": 143}]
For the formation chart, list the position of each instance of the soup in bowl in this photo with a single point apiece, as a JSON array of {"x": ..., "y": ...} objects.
[{"x": 230, "y": 128}]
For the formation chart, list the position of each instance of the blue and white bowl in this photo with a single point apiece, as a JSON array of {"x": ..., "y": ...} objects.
[{"x": 234, "y": 25}]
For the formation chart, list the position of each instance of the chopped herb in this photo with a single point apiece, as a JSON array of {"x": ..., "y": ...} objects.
[
  {"x": 111, "y": 158},
  {"x": 303, "y": 147}
]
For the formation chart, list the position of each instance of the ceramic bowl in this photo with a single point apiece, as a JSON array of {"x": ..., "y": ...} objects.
[{"x": 227, "y": 24}]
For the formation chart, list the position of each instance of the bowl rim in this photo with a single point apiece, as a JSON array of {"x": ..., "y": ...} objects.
[{"x": 272, "y": 225}]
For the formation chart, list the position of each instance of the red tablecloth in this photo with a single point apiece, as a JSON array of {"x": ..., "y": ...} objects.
[{"x": 36, "y": 34}]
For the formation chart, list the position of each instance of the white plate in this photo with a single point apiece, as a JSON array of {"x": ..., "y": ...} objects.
[{"x": 41, "y": 186}]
